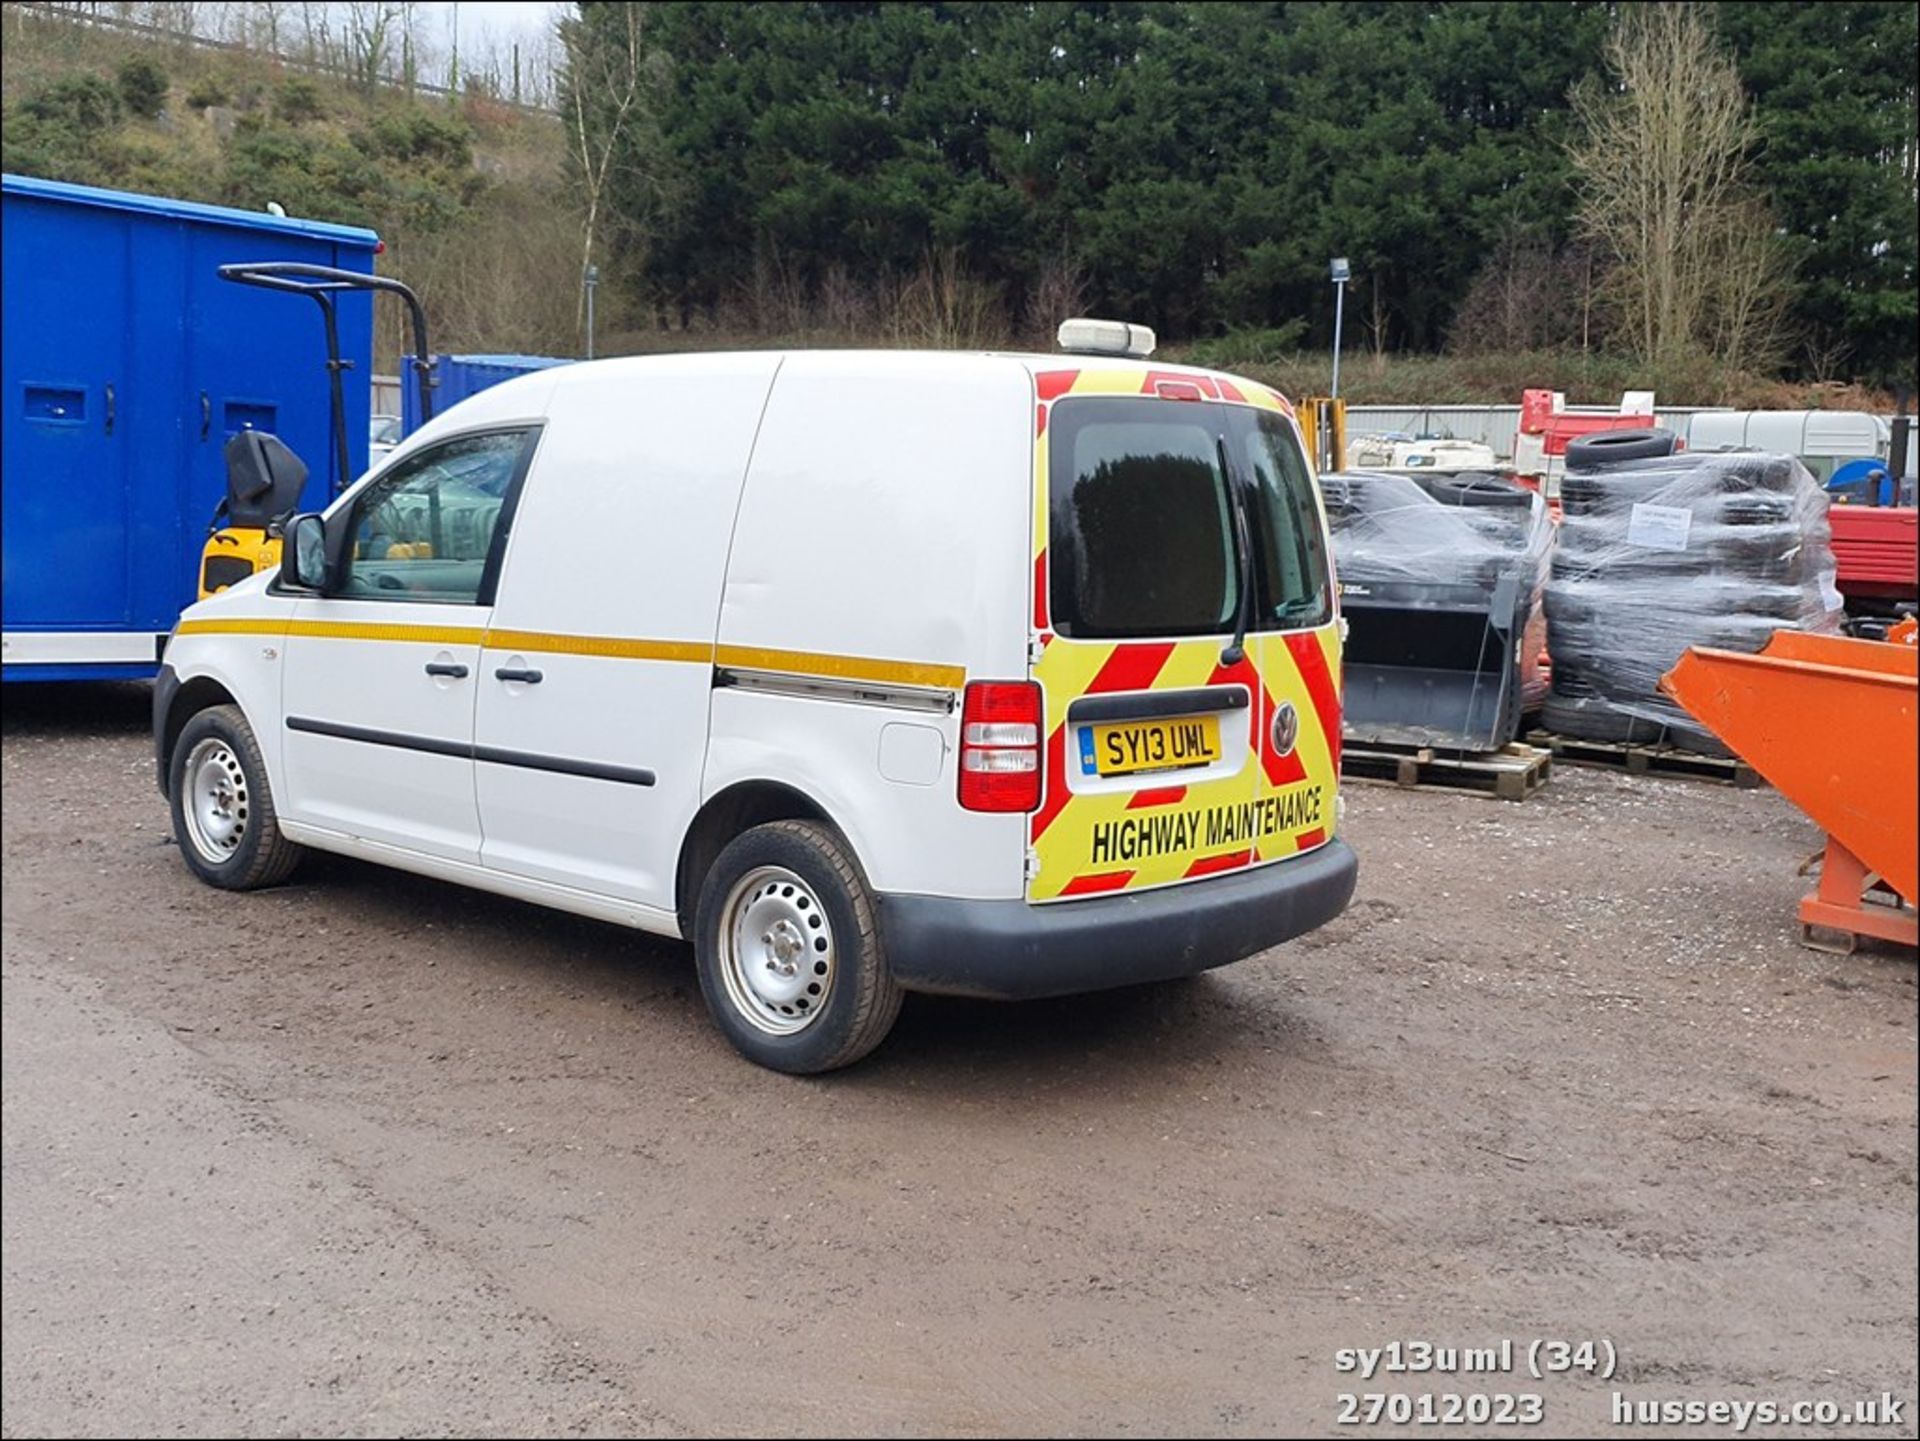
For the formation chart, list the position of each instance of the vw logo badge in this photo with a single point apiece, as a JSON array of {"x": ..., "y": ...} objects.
[{"x": 1286, "y": 727}]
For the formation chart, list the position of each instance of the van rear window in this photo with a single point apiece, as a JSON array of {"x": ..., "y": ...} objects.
[{"x": 1141, "y": 522}]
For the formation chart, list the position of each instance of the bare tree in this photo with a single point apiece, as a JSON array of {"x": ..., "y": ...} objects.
[
  {"x": 613, "y": 79},
  {"x": 369, "y": 39},
  {"x": 1060, "y": 293},
  {"x": 1378, "y": 321},
  {"x": 1663, "y": 173},
  {"x": 1752, "y": 287}
]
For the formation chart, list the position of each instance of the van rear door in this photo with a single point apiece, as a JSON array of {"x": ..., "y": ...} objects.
[{"x": 1161, "y": 763}]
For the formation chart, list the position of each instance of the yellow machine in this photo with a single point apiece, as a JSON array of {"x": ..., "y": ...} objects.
[
  {"x": 232, "y": 555},
  {"x": 264, "y": 481},
  {"x": 1323, "y": 424}
]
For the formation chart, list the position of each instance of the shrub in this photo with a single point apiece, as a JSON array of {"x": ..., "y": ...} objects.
[
  {"x": 143, "y": 86},
  {"x": 1268, "y": 345},
  {"x": 299, "y": 100},
  {"x": 415, "y": 133},
  {"x": 311, "y": 172},
  {"x": 209, "y": 91},
  {"x": 81, "y": 104},
  {"x": 30, "y": 145}
]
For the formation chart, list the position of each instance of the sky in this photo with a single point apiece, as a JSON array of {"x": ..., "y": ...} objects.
[
  {"x": 527, "y": 21},
  {"x": 488, "y": 31}
]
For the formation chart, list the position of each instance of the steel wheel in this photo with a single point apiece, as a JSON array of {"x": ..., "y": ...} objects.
[
  {"x": 215, "y": 801},
  {"x": 776, "y": 951}
]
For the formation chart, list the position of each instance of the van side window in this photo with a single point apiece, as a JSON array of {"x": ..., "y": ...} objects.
[
  {"x": 1289, "y": 549},
  {"x": 423, "y": 531}
]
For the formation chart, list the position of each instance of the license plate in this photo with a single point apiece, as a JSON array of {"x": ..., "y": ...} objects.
[{"x": 1131, "y": 747}]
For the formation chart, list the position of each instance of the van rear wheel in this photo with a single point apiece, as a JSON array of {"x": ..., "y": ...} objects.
[{"x": 790, "y": 958}]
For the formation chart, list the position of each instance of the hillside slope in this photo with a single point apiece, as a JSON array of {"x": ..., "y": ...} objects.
[{"x": 469, "y": 195}]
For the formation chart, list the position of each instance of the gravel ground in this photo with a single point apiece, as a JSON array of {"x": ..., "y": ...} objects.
[{"x": 371, "y": 1153}]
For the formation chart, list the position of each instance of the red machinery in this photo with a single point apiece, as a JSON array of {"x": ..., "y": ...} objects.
[
  {"x": 1547, "y": 423},
  {"x": 1877, "y": 550}
]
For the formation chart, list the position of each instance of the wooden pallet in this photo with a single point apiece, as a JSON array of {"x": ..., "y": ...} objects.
[
  {"x": 1645, "y": 760},
  {"x": 1512, "y": 773}
]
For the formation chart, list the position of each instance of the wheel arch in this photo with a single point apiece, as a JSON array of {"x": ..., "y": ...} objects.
[
  {"x": 728, "y": 813},
  {"x": 189, "y": 698}
]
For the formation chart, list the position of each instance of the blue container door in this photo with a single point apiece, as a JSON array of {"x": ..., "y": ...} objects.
[
  {"x": 64, "y": 374},
  {"x": 257, "y": 360}
]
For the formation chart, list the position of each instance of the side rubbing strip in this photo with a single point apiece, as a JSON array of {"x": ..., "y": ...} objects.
[
  {"x": 492, "y": 755},
  {"x": 934, "y": 702},
  {"x": 432, "y": 745},
  {"x": 560, "y": 765}
]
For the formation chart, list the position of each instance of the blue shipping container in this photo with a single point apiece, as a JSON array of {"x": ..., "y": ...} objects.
[
  {"x": 126, "y": 363},
  {"x": 458, "y": 376}
]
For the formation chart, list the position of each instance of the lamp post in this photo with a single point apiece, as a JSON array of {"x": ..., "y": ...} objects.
[
  {"x": 1341, "y": 273},
  {"x": 591, "y": 278}
]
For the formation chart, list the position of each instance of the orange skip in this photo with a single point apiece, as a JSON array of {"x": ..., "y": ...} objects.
[{"x": 1834, "y": 724}]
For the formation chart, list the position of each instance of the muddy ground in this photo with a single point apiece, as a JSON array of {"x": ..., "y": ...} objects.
[{"x": 372, "y": 1153}]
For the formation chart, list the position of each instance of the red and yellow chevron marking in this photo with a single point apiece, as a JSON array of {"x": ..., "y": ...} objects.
[
  {"x": 1166, "y": 829},
  {"x": 1302, "y": 667},
  {"x": 1073, "y": 833},
  {"x": 1052, "y": 385}
]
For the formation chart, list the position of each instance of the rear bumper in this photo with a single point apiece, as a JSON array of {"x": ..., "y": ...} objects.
[{"x": 1011, "y": 950}]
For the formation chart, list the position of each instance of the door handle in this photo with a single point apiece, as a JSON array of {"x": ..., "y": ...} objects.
[
  {"x": 206, "y": 415},
  {"x": 440, "y": 667},
  {"x": 110, "y": 409},
  {"x": 526, "y": 677}
]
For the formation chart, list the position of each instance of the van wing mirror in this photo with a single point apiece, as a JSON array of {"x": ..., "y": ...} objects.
[
  {"x": 264, "y": 480},
  {"x": 303, "y": 554}
]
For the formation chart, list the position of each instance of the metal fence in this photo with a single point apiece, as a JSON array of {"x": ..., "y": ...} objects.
[{"x": 311, "y": 65}]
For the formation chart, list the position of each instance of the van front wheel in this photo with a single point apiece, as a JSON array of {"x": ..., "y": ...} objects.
[
  {"x": 223, "y": 815},
  {"x": 790, "y": 958}
]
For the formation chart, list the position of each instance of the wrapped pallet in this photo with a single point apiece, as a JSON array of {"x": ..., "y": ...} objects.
[
  {"x": 1441, "y": 583},
  {"x": 1655, "y": 555}
]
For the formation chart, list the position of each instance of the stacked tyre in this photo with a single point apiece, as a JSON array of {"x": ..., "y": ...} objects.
[{"x": 1660, "y": 551}]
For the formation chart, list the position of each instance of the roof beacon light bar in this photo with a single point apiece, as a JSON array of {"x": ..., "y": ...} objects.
[{"x": 1105, "y": 337}]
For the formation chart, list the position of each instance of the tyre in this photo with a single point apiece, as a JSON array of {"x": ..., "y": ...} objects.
[
  {"x": 223, "y": 813},
  {"x": 1613, "y": 447},
  {"x": 1479, "y": 488},
  {"x": 789, "y": 954},
  {"x": 1594, "y": 719}
]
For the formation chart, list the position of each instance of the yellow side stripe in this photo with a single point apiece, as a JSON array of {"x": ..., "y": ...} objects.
[
  {"x": 336, "y": 630},
  {"x": 792, "y": 662},
  {"x": 616, "y": 647},
  {"x": 239, "y": 626},
  {"x": 842, "y": 667}
]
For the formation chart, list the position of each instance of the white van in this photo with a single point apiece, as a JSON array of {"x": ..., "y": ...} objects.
[{"x": 865, "y": 672}]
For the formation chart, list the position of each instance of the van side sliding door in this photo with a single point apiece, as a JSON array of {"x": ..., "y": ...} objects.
[{"x": 597, "y": 673}]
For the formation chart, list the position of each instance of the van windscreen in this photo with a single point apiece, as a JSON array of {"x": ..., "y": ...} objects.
[{"x": 1141, "y": 522}]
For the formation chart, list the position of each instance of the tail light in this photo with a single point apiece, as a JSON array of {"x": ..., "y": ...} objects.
[{"x": 1000, "y": 746}]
